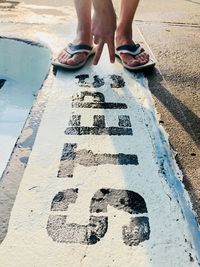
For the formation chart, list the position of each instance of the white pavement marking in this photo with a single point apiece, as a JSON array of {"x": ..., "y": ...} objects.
[{"x": 93, "y": 192}]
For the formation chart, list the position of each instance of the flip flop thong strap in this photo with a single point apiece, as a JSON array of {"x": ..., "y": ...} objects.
[
  {"x": 134, "y": 49},
  {"x": 74, "y": 49}
]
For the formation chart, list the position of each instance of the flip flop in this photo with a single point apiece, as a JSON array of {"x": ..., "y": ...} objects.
[
  {"x": 134, "y": 50},
  {"x": 72, "y": 50}
]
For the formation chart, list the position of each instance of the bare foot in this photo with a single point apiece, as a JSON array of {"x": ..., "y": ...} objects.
[
  {"x": 65, "y": 58},
  {"x": 130, "y": 60}
]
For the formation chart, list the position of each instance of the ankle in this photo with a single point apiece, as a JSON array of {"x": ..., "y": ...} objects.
[
  {"x": 123, "y": 40},
  {"x": 124, "y": 29},
  {"x": 83, "y": 36},
  {"x": 123, "y": 36}
]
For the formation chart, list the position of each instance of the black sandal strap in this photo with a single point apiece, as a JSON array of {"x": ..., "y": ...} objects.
[
  {"x": 74, "y": 49},
  {"x": 133, "y": 49}
]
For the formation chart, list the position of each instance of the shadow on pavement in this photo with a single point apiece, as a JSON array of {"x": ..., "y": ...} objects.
[
  {"x": 194, "y": 2},
  {"x": 189, "y": 121}
]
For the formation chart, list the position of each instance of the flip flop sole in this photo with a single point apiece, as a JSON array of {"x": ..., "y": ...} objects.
[
  {"x": 57, "y": 64},
  {"x": 150, "y": 64}
]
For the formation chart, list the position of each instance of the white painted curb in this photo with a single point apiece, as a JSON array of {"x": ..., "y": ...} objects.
[{"x": 75, "y": 209}]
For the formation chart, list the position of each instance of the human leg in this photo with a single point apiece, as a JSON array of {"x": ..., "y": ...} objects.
[
  {"x": 83, "y": 33},
  {"x": 124, "y": 33}
]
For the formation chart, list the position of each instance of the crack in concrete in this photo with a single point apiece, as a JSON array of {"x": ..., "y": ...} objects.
[
  {"x": 170, "y": 23},
  {"x": 85, "y": 255}
]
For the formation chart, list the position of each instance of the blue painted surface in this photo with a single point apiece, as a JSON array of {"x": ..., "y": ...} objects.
[
  {"x": 170, "y": 171},
  {"x": 23, "y": 66}
]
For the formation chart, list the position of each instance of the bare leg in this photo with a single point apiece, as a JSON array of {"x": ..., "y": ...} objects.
[
  {"x": 124, "y": 32},
  {"x": 83, "y": 34}
]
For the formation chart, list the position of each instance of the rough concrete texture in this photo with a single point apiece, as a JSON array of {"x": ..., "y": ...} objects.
[
  {"x": 39, "y": 236},
  {"x": 171, "y": 28}
]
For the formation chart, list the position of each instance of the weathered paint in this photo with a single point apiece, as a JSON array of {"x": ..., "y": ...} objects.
[
  {"x": 18, "y": 87},
  {"x": 105, "y": 214}
]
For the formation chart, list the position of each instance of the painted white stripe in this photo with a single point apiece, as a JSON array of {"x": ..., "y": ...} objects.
[{"x": 28, "y": 243}]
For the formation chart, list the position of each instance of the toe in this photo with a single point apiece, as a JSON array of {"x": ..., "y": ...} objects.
[
  {"x": 76, "y": 59},
  {"x": 145, "y": 54},
  {"x": 60, "y": 55},
  {"x": 143, "y": 58},
  {"x": 129, "y": 60},
  {"x": 64, "y": 59},
  {"x": 134, "y": 62},
  {"x": 63, "y": 56}
]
